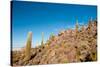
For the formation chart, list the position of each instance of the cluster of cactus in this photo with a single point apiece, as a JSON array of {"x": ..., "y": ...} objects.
[{"x": 28, "y": 47}]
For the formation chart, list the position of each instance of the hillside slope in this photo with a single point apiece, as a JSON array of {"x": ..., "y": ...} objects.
[{"x": 78, "y": 45}]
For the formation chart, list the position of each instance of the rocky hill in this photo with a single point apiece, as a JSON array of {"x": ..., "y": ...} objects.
[{"x": 69, "y": 46}]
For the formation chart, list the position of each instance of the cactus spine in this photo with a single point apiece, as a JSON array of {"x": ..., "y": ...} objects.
[{"x": 28, "y": 47}]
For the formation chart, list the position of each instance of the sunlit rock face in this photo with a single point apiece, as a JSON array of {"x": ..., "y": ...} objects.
[{"x": 65, "y": 47}]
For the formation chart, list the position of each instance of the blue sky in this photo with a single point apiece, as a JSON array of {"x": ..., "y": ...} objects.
[{"x": 45, "y": 17}]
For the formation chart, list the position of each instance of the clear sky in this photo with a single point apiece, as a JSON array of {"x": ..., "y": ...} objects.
[{"x": 45, "y": 17}]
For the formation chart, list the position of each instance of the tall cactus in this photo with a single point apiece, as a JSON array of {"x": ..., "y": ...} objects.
[
  {"x": 42, "y": 42},
  {"x": 28, "y": 47},
  {"x": 76, "y": 29},
  {"x": 89, "y": 25}
]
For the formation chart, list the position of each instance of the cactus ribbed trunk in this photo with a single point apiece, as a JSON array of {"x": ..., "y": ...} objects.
[
  {"x": 28, "y": 47},
  {"x": 42, "y": 42},
  {"x": 76, "y": 28}
]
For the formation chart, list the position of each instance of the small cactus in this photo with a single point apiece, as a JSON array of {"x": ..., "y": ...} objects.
[
  {"x": 28, "y": 47},
  {"x": 65, "y": 61},
  {"x": 90, "y": 25},
  {"x": 52, "y": 36},
  {"x": 94, "y": 55},
  {"x": 83, "y": 28}
]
